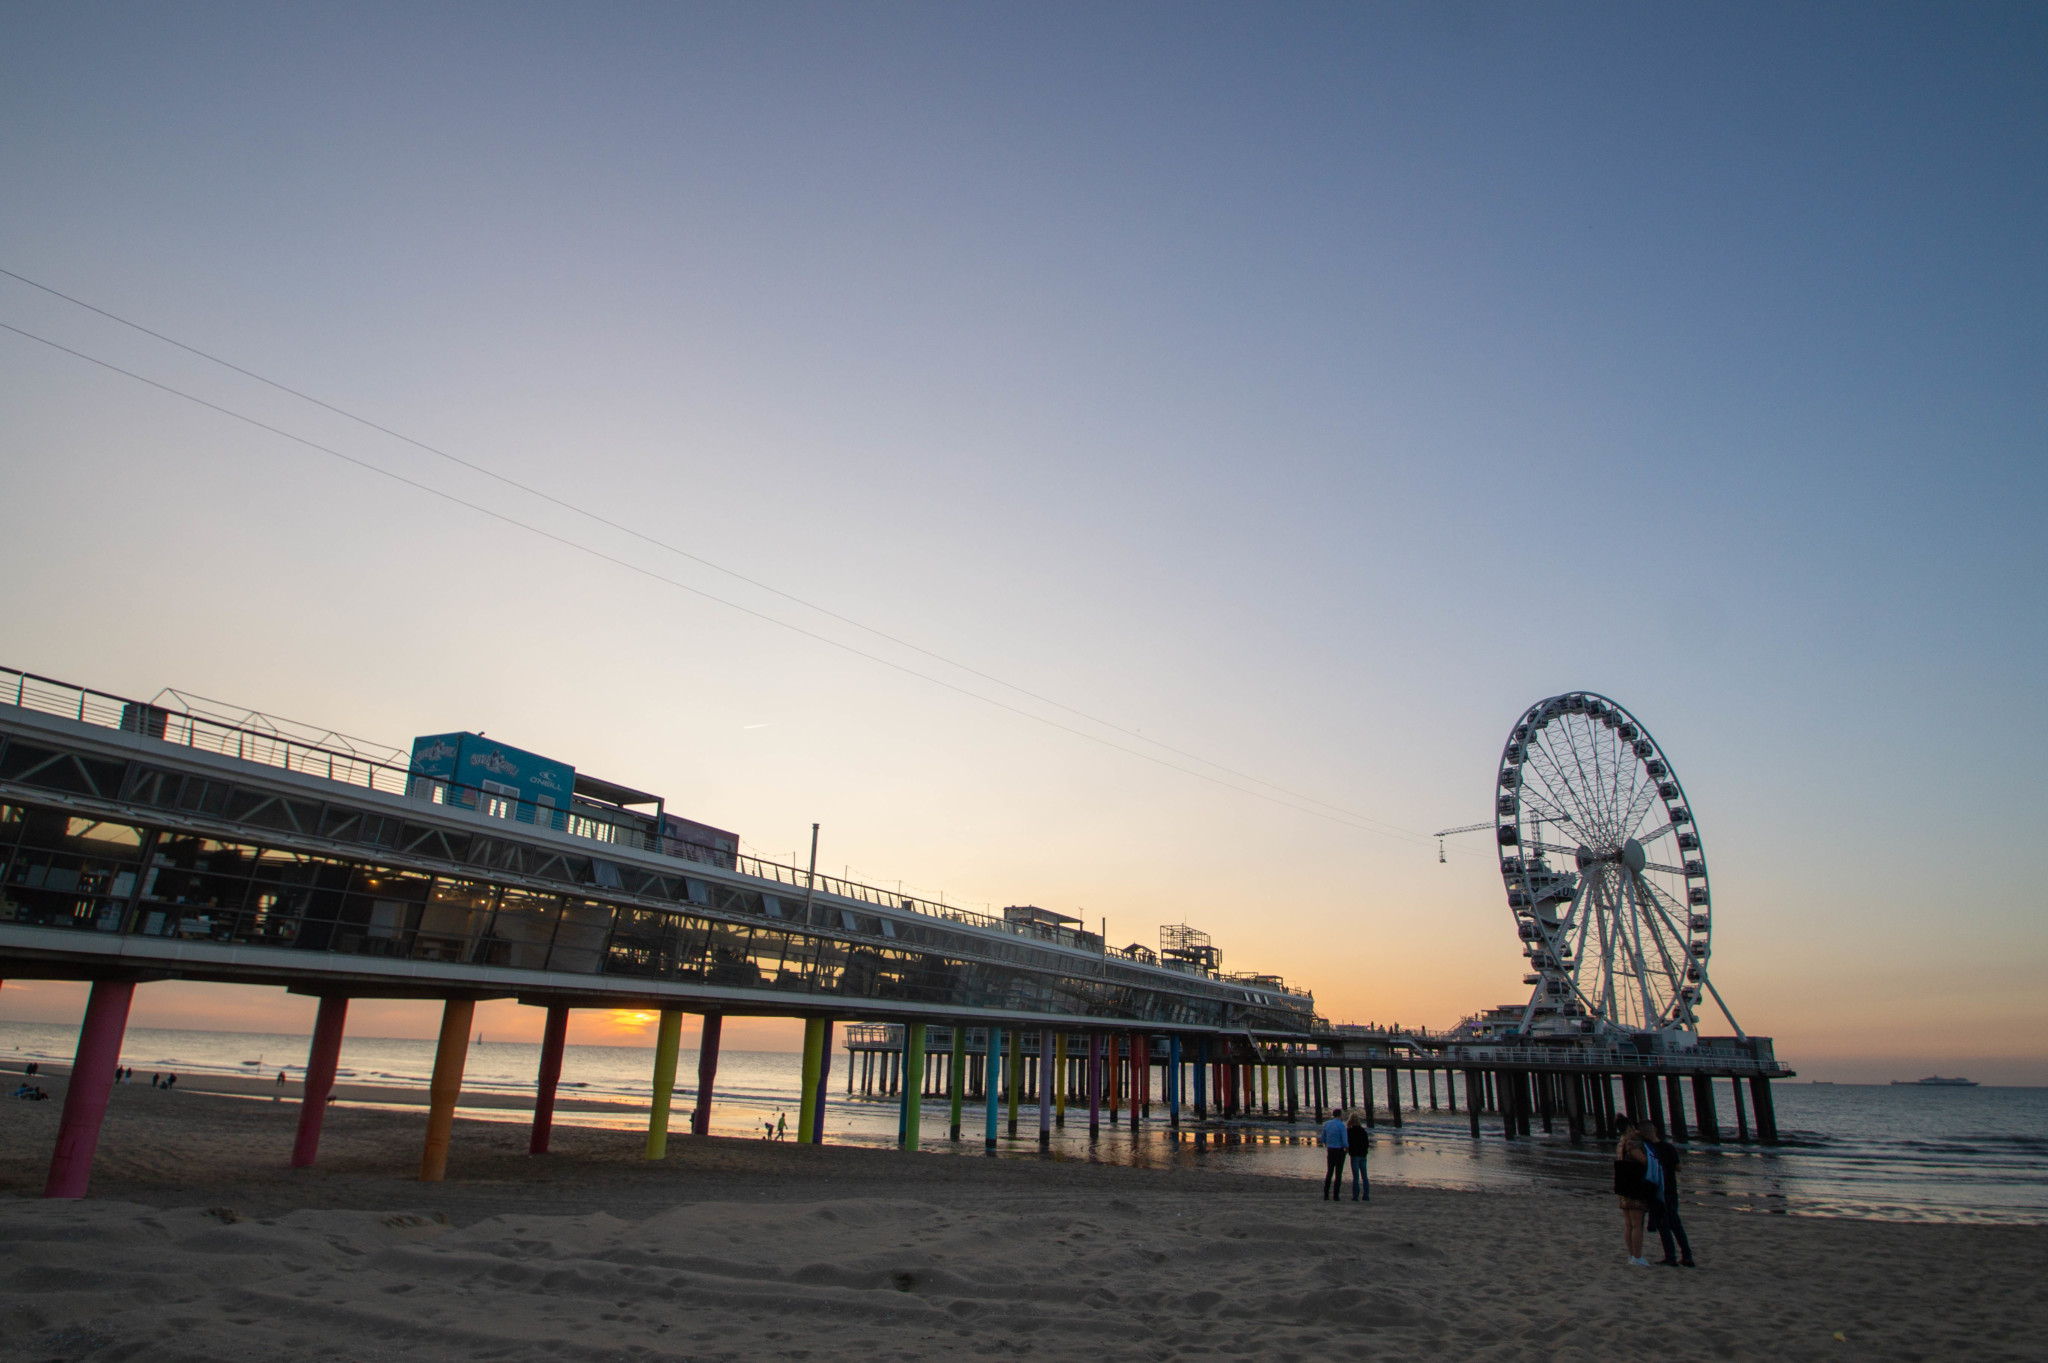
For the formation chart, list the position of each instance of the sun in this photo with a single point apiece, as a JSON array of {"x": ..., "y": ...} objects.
[{"x": 633, "y": 1020}]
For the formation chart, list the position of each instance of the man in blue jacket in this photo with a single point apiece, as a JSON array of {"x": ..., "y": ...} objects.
[{"x": 1333, "y": 1148}]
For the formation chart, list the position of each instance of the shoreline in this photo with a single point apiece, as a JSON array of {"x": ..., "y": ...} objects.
[{"x": 743, "y": 1249}]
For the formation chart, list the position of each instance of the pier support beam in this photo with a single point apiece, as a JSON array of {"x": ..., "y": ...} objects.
[
  {"x": 1705, "y": 1118},
  {"x": 1741, "y": 1112},
  {"x": 1014, "y": 1076},
  {"x": 553, "y": 1039},
  {"x": 1674, "y": 1097},
  {"x": 1471, "y": 1107},
  {"x": 1060, "y": 1077},
  {"x": 1201, "y": 1069},
  {"x": 1393, "y": 1093},
  {"x": 1766, "y": 1115},
  {"x": 956, "y": 1077},
  {"x": 1141, "y": 1073},
  {"x": 90, "y": 1086},
  {"x": 668, "y": 1043},
  {"x": 825, "y": 1028},
  {"x": 1173, "y": 1080},
  {"x": 913, "y": 1094},
  {"x": 994, "y": 1085},
  {"x": 323, "y": 1058},
  {"x": 450, "y": 1055},
  {"x": 813, "y": 1077},
  {"x": 707, "y": 1073},
  {"x": 1655, "y": 1103},
  {"x": 1094, "y": 1084}
]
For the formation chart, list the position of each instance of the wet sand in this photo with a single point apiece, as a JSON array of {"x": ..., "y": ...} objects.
[{"x": 200, "y": 1242}]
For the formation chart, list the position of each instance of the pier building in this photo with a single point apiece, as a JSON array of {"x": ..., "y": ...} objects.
[{"x": 145, "y": 841}]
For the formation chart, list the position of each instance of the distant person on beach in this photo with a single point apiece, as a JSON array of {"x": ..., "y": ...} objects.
[
  {"x": 1632, "y": 1189},
  {"x": 171, "y": 1081},
  {"x": 1664, "y": 1217},
  {"x": 781, "y": 1126},
  {"x": 1355, "y": 1146},
  {"x": 156, "y": 1080},
  {"x": 1334, "y": 1144}
]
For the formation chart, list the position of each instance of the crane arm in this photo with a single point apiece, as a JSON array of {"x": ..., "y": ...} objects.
[{"x": 1468, "y": 828}]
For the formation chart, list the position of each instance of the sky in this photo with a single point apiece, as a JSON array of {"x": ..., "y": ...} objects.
[{"x": 1292, "y": 394}]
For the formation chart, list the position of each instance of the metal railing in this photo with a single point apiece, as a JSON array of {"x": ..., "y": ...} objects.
[{"x": 600, "y": 825}]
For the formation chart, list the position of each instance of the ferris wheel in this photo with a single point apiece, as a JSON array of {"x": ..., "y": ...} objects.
[{"x": 1605, "y": 873}]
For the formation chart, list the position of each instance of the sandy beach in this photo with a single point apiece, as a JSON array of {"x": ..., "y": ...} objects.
[{"x": 200, "y": 1242}]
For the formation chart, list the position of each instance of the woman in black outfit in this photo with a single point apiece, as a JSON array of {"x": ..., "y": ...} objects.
[{"x": 1632, "y": 1190}]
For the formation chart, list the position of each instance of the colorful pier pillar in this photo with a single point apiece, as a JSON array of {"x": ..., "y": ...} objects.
[
  {"x": 668, "y": 1043},
  {"x": 1201, "y": 1068},
  {"x": 90, "y": 1086},
  {"x": 707, "y": 1073},
  {"x": 1045, "y": 1084},
  {"x": 913, "y": 1090},
  {"x": 956, "y": 1075},
  {"x": 993, "y": 1087},
  {"x": 1173, "y": 1080},
  {"x": 1059, "y": 1097},
  {"x": 554, "y": 1038},
  {"x": 1013, "y": 1076},
  {"x": 814, "y": 1068},
  {"x": 443, "y": 1091},
  {"x": 1094, "y": 1084},
  {"x": 1141, "y": 1070},
  {"x": 819, "y": 1091},
  {"x": 323, "y": 1058}
]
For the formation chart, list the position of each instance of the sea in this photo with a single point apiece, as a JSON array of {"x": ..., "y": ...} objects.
[{"x": 1849, "y": 1150}]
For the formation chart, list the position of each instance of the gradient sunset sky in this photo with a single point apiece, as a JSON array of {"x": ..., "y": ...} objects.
[{"x": 1308, "y": 388}]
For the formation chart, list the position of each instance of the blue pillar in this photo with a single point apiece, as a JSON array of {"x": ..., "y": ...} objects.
[
  {"x": 1201, "y": 1078},
  {"x": 995, "y": 1084},
  {"x": 1173, "y": 1080}
]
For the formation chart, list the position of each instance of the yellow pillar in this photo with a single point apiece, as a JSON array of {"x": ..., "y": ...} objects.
[
  {"x": 1059, "y": 1092},
  {"x": 814, "y": 1064},
  {"x": 668, "y": 1041},
  {"x": 449, "y": 1057}
]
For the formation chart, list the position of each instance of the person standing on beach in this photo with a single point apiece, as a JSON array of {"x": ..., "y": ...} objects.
[
  {"x": 1334, "y": 1145},
  {"x": 1664, "y": 1217},
  {"x": 781, "y": 1126},
  {"x": 1632, "y": 1190},
  {"x": 1355, "y": 1146}
]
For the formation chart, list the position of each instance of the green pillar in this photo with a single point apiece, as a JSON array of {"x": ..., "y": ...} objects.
[
  {"x": 1016, "y": 1073},
  {"x": 956, "y": 1074},
  {"x": 814, "y": 1064},
  {"x": 668, "y": 1041},
  {"x": 913, "y": 1082}
]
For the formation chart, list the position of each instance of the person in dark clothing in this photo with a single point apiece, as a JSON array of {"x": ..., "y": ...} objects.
[
  {"x": 1333, "y": 1148},
  {"x": 1664, "y": 1217},
  {"x": 1355, "y": 1147},
  {"x": 1632, "y": 1189}
]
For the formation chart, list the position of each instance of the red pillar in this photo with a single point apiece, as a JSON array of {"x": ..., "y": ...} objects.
[
  {"x": 322, "y": 1059},
  {"x": 707, "y": 1071},
  {"x": 1137, "y": 1078},
  {"x": 92, "y": 1083},
  {"x": 552, "y": 1038}
]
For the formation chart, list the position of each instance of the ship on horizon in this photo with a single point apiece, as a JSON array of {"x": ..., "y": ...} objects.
[{"x": 1935, "y": 1081}]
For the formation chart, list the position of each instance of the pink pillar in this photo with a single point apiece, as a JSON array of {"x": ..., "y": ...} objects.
[
  {"x": 707, "y": 1072},
  {"x": 322, "y": 1059},
  {"x": 553, "y": 1038},
  {"x": 92, "y": 1083}
]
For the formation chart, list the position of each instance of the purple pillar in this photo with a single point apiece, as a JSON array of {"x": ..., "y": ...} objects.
[
  {"x": 824, "y": 1088},
  {"x": 707, "y": 1072}
]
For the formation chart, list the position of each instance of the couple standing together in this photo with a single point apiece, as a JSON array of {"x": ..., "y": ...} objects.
[
  {"x": 1646, "y": 1184},
  {"x": 1342, "y": 1139}
]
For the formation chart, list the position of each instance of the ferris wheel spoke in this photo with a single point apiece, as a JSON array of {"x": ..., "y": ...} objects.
[{"x": 1667, "y": 870}]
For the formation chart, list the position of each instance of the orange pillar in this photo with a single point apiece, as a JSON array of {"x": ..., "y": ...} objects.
[{"x": 446, "y": 1088}]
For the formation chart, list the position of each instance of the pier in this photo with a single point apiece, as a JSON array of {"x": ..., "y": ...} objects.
[{"x": 145, "y": 842}]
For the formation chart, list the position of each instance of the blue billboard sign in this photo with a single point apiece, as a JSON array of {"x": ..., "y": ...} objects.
[{"x": 476, "y": 769}]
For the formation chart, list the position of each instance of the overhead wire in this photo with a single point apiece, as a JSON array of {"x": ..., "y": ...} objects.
[
  {"x": 668, "y": 547},
  {"x": 1355, "y": 822}
]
